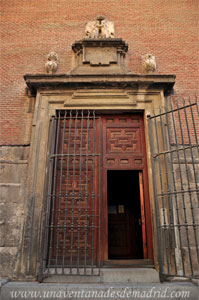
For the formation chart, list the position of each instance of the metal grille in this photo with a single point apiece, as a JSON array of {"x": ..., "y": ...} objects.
[
  {"x": 71, "y": 236},
  {"x": 174, "y": 134}
]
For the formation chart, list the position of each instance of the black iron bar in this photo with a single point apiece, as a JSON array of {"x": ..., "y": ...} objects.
[
  {"x": 99, "y": 193},
  {"x": 162, "y": 199},
  {"x": 73, "y": 198},
  {"x": 197, "y": 106},
  {"x": 168, "y": 183},
  {"x": 182, "y": 225},
  {"x": 78, "y": 118},
  {"x": 61, "y": 177},
  {"x": 77, "y": 195},
  {"x": 83, "y": 226},
  {"x": 181, "y": 181},
  {"x": 54, "y": 198},
  {"x": 195, "y": 177},
  {"x": 175, "y": 150},
  {"x": 47, "y": 207},
  {"x": 58, "y": 192},
  {"x": 77, "y": 154},
  {"x": 172, "y": 110},
  {"x": 176, "y": 192},
  {"x": 80, "y": 191},
  {"x": 160, "y": 246},
  {"x": 93, "y": 199},
  {"x": 196, "y": 135},
  {"x": 67, "y": 190},
  {"x": 86, "y": 196}
]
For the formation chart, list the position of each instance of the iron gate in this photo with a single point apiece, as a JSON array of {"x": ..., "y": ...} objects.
[
  {"x": 174, "y": 134},
  {"x": 71, "y": 235}
]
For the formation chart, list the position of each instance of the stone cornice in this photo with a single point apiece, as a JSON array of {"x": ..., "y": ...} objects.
[
  {"x": 117, "y": 43},
  {"x": 91, "y": 81}
]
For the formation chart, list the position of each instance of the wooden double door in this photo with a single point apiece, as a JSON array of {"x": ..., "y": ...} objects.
[{"x": 99, "y": 197}]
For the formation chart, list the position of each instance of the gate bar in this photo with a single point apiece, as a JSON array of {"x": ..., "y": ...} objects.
[
  {"x": 189, "y": 188},
  {"x": 73, "y": 195},
  {"x": 182, "y": 188},
  {"x": 80, "y": 191},
  {"x": 93, "y": 199},
  {"x": 162, "y": 200},
  {"x": 168, "y": 185},
  {"x": 86, "y": 195},
  {"x": 172, "y": 110},
  {"x": 53, "y": 194},
  {"x": 160, "y": 252},
  {"x": 66, "y": 191}
]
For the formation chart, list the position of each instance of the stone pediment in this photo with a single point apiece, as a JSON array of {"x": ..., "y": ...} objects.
[{"x": 99, "y": 56}]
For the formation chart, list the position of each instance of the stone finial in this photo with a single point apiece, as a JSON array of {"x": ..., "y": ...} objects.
[
  {"x": 100, "y": 28},
  {"x": 51, "y": 64},
  {"x": 148, "y": 63}
]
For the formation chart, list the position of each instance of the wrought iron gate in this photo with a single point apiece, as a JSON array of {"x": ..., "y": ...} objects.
[
  {"x": 71, "y": 235},
  {"x": 174, "y": 135}
]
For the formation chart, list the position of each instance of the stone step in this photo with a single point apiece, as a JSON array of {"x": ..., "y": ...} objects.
[
  {"x": 134, "y": 275},
  {"x": 110, "y": 275},
  {"x": 109, "y": 291}
]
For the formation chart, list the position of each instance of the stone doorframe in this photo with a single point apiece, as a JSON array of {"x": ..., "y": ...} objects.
[{"x": 124, "y": 92}]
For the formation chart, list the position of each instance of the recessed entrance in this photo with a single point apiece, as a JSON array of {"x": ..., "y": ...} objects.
[
  {"x": 125, "y": 238},
  {"x": 98, "y": 209}
]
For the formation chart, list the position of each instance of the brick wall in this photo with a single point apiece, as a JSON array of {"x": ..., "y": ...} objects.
[{"x": 31, "y": 29}]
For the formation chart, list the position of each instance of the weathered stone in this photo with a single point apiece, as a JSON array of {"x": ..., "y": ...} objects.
[
  {"x": 51, "y": 65},
  {"x": 100, "y": 28},
  {"x": 95, "y": 56},
  {"x": 8, "y": 260},
  {"x": 2, "y": 224},
  {"x": 98, "y": 56},
  {"x": 129, "y": 275},
  {"x": 16, "y": 154},
  {"x": 148, "y": 63},
  {"x": 13, "y": 170},
  {"x": 10, "y": 192}
]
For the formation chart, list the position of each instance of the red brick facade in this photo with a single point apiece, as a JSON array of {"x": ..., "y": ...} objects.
[{"x": 31, "y": 29}]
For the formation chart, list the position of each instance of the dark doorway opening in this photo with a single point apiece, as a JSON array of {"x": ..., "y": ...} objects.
[{"x": 124, "y": 215}]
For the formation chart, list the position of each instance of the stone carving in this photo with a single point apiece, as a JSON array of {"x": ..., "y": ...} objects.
[
  {"x": 51, "y": 64},
  {"x": 100, "y": 28},
  {"x": 148, "y": 63}
]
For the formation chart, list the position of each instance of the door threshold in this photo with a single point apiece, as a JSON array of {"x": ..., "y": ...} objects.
[{"x": 129, "y": 263}]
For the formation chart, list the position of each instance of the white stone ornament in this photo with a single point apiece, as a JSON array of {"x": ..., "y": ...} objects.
[
  {"x": 52, "y": 62},
  {"x": 148, "y": 63},
  {"x": 100, "y": 28}
]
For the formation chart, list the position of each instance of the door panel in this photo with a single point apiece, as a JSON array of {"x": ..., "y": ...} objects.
[
  {"x": 122, "y": 142},
  {"x": 124, "y": 149},
  {"x": 74, "y": 224}
]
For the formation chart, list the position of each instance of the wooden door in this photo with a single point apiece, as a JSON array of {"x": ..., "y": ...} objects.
[
  {"x": 124, "y": 149},
  {"x": 74, "y": 224},
  {"x": 122, "y": 236}
]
